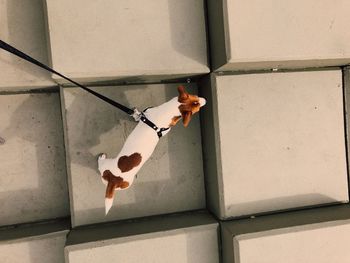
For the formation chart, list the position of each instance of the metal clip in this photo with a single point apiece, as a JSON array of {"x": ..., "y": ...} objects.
[{"x": 137, "y": 114}]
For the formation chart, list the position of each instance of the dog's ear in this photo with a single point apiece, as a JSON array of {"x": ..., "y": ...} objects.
[
  {"x": 183, "y": 95},
  {"x": 186, "y": 117},
  {"x": 186, "y": 113}
]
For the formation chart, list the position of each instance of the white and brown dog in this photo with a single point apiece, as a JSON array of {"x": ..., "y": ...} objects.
[{"x": 118, "y": 173}]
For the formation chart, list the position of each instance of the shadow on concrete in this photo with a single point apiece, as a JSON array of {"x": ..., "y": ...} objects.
[
  {"x": 88, "y": 118},
  {"x": 37, "y": 122},
  {"x": 187, "y": 29}
]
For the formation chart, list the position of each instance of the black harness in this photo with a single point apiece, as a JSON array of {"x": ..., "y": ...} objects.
[
  {"x": 138, "y": 116},
  {"x": 144, "y": 119},
  {"x": 159, "y": 131}
]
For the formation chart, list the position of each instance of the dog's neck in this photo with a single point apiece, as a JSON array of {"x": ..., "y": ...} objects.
[{"x": 163, "y": 114}]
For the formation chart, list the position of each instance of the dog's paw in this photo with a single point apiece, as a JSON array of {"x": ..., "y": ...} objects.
[{"x": 102, "y": 156}]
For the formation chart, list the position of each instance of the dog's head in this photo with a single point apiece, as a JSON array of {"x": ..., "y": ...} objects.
[{"x": 190, "y": 104}]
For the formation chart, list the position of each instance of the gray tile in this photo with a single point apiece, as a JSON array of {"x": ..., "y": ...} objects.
[
  {"x": 248, "y": 35},
  {"x": 39, "y": 243},
  {"x": 171, "y": 180},
  {"x": 274, "y": 142},
  {"x": 313, "y": 235},
  {"x": 22, "y": 25},
  {"x": 193, "y": 237},
  {"x": 113, "y": 40},
  {"x": 33, "y": 184}
]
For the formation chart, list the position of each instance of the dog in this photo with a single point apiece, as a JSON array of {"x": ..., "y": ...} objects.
[{"x": 119, "y": 173}]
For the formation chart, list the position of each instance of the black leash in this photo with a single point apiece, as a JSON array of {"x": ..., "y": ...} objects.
[
  {"x": 132, "y": 112},
  {"x": 24, "y": 56}
]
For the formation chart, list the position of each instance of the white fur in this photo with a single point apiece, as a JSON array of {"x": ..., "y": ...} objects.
[
  {"x": 142, "y": 140},
  {"x": 108, "y": 204},
  {"x": 202, "y": 102}
]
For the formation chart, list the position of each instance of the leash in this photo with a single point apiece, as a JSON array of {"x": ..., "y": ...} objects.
[
  {"x": 24, "y": 56},
  {"x": 138, "y": 116}
]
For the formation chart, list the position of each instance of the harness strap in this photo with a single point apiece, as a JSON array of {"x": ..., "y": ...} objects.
[
  {"x": 28, "y": 58},
  {"x": 159, "y": 131}
]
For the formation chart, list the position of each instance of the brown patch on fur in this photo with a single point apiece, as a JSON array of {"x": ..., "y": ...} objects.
[
  {"x": 113, "y": 183},
  {"x": 110, "y": 191},
  {"x": 174, "y": 120},
  {"x": 186, "y": 117},
  {"x": 124, "y": 184},
  {"x": 127, "y": 163},
  {"x": 187, "y": 98},
  {"x": 183, "y": 95},
  {"x": 189, "y": 105}
]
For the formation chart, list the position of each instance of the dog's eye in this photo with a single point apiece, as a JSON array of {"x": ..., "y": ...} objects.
[{"x": 196, "y": 103}]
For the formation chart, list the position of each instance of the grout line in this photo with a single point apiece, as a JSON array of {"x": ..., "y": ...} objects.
[
  {"x": 35, "y": 223},
  {"x": 283, "y": 211},
  {"x": 67, "y": 156},
  {"x": 345, "y": 87},
  {"x": 51, "y": 89},
  {"x": 264, "y": 71},
  {"x": 144, "y": 218},
  {"x": 207, "y": 34},
  {"x": 190, "y": 78}
]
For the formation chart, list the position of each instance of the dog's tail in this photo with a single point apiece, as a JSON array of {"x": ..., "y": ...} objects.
[
  {"x": 109, "y": 197},
  {"x": 114, "y": 182}
]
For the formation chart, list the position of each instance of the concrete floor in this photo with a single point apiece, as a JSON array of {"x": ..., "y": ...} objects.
[
  {"x": 270, "y": 141},
  {"x": 171, "y": 181},
  {"x": 24, "y": 28},
  {"x": 33, "y": 182}
]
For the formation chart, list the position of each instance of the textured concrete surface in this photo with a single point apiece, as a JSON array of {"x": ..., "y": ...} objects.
[
  {"x": 33, "y": 183},
  {"x": 110, "y": 40},
  {"x": 192, "y": 237},
  {"x": 278, "y": 34},
  {"x": 317, "y": 235},
  {"x": 274, "y": 142},
  {"x": 22, "y": 25},
  {"x": 40, "y": 243},
  {"x": 171, "y": 180}
]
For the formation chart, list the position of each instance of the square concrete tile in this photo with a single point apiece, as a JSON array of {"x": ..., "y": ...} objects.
[
  {"x": 107, "y": 40},
  {"x": 33, "y": 184},
  {"x": 274, "y": 142},
  {"x": 39, "y": 243},
  {"x": 250, "y": 34},
  {"x": 22, "y": 25},
  {"x": 192, "y": 237},
  {"x": 318, "y": 235},
  {"x": 172, "y": 180}
]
